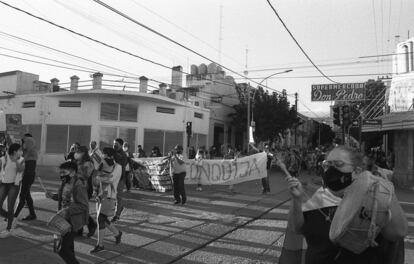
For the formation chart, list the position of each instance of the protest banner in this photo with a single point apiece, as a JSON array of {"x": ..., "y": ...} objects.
[
  {"x": 209, "y": 172},
  {"x": 158, "y": 172}
]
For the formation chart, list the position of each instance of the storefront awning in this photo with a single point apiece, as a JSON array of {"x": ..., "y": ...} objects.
[{"x": 393, "y": 121}]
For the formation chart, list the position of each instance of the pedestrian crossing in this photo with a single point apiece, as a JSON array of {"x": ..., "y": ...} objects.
[{"x": 280, "y": 213}]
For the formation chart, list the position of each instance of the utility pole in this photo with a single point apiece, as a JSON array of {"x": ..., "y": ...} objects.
[
  {"x": 296, "y": 113},
  {"x": 248, "y": 116}
]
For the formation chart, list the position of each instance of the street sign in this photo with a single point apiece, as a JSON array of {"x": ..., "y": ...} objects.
[
  {"x": 372, "y": 122},
  {"x": 338, "y": 92}
]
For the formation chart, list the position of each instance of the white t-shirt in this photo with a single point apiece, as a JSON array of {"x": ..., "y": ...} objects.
[{"x": 10, "y": 170}]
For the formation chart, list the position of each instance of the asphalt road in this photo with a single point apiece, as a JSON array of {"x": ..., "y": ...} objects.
[{"x": 216, "y": 226}]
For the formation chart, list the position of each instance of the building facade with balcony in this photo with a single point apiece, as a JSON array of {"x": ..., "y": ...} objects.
[{"x": 58, "y": 117}]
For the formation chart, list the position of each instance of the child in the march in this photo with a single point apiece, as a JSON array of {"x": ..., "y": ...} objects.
[
  {"x": 73, "y": 205},
  {"x": 105, "y": 192}
]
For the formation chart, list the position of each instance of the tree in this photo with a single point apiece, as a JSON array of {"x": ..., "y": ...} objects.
[{"x": 272, "y": 112}]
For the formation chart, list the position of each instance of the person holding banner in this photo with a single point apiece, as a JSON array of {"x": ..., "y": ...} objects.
[
  {"x": 265, "y": 181},
  {"x": 201, "y": 154},
  {"x": 12, "y": 167},
  {"x": 73, "y": 206},
  {"x": 313, "y": 217},
  {"x": 179, "y": 171}
]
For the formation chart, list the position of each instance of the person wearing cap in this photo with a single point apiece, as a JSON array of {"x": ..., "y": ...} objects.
[
  {"x": 85, "y": 172},
  {"x": 179, "y": 172}
]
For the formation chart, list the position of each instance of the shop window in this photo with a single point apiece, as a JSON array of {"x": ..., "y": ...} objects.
[
  {"x": 80, "y": 134},
  {"x": 172, "y": 138},
  {"x": 153, "y": 138},
  {"x": 59, "y": 138},
  {"x": 128, "y": 135},
  {"x": 107, "y": 136},
  {"x": 56, "y": 138}
]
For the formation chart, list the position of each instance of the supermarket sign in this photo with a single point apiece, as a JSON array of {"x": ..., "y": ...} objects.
[{"x": 338, "y": 92}]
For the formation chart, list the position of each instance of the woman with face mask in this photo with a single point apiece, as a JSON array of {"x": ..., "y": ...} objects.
[
  {"x": 313, "y": 217},
  {"x": 85, "y": 172},
  {"x": 12, "y": 167}
]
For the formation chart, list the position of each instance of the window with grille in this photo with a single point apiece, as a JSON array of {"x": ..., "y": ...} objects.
[
  {"x": 69, "y": 103},
  {"x": 119, "y": 112},
  {"x": 165, "y": 110},
  {"x": 128, "y": 112},
  {"x": 30, "y": 104}
]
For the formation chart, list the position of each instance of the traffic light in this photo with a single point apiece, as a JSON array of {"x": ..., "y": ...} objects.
[
  {"x": 188, "y": 128},
  {"x": 337, "y": 115},
  {"x": 346, "y": 115}
]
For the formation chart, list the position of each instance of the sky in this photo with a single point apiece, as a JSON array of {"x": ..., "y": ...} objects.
[{"x": 334, "y": 33}]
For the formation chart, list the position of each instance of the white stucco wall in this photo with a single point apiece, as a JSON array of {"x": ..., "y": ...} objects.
[{"x": 47, "y": 112}]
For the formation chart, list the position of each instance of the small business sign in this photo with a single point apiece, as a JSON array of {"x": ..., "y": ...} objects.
[
  {"x": 14, "y": 126},
  {"x": 338, "y": 92},
  {"x": 372, "y": 122}
]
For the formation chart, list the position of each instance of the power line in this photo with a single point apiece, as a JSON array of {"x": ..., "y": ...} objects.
[
  {"x": 382, "y": 26},
  {"x": 113, "y": 47},
  {"x": 318, "y": 76},
  {"x": 297, "y": 43},
  {"x": 321, "y": 65},
  {"x": 63, "y": 52},
  {"x": 375, "y": 26},
  {"x": 44, "y": 58},
  {"x": 87, "y": 37},
  {"x": 182, "y": 29},
  {"x": 389, "y": 26},
  {"x": 117, "y": 29},
  {"x": 169, "y": 39}
]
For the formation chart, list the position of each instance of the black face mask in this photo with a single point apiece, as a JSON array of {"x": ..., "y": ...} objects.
[
  {"x": 335, "y": 179},
  {"x": 65, "y": 178}
]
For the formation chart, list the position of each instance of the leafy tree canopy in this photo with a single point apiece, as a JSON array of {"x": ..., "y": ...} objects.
[{"x": 272, "y": 112}]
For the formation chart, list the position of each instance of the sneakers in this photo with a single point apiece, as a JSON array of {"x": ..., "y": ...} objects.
[
  {"x": 30, "y": 217},
  {"x": 5, "y": 233},
  {"x": 97, "y": 249},
  {"x": 118, "y": 238}
]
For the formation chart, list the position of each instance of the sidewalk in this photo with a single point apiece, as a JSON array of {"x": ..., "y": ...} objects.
[{"x": 156, "y": 231}]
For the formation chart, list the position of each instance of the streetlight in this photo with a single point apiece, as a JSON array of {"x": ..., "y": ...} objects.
[{"x": 248, "y": 102}]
